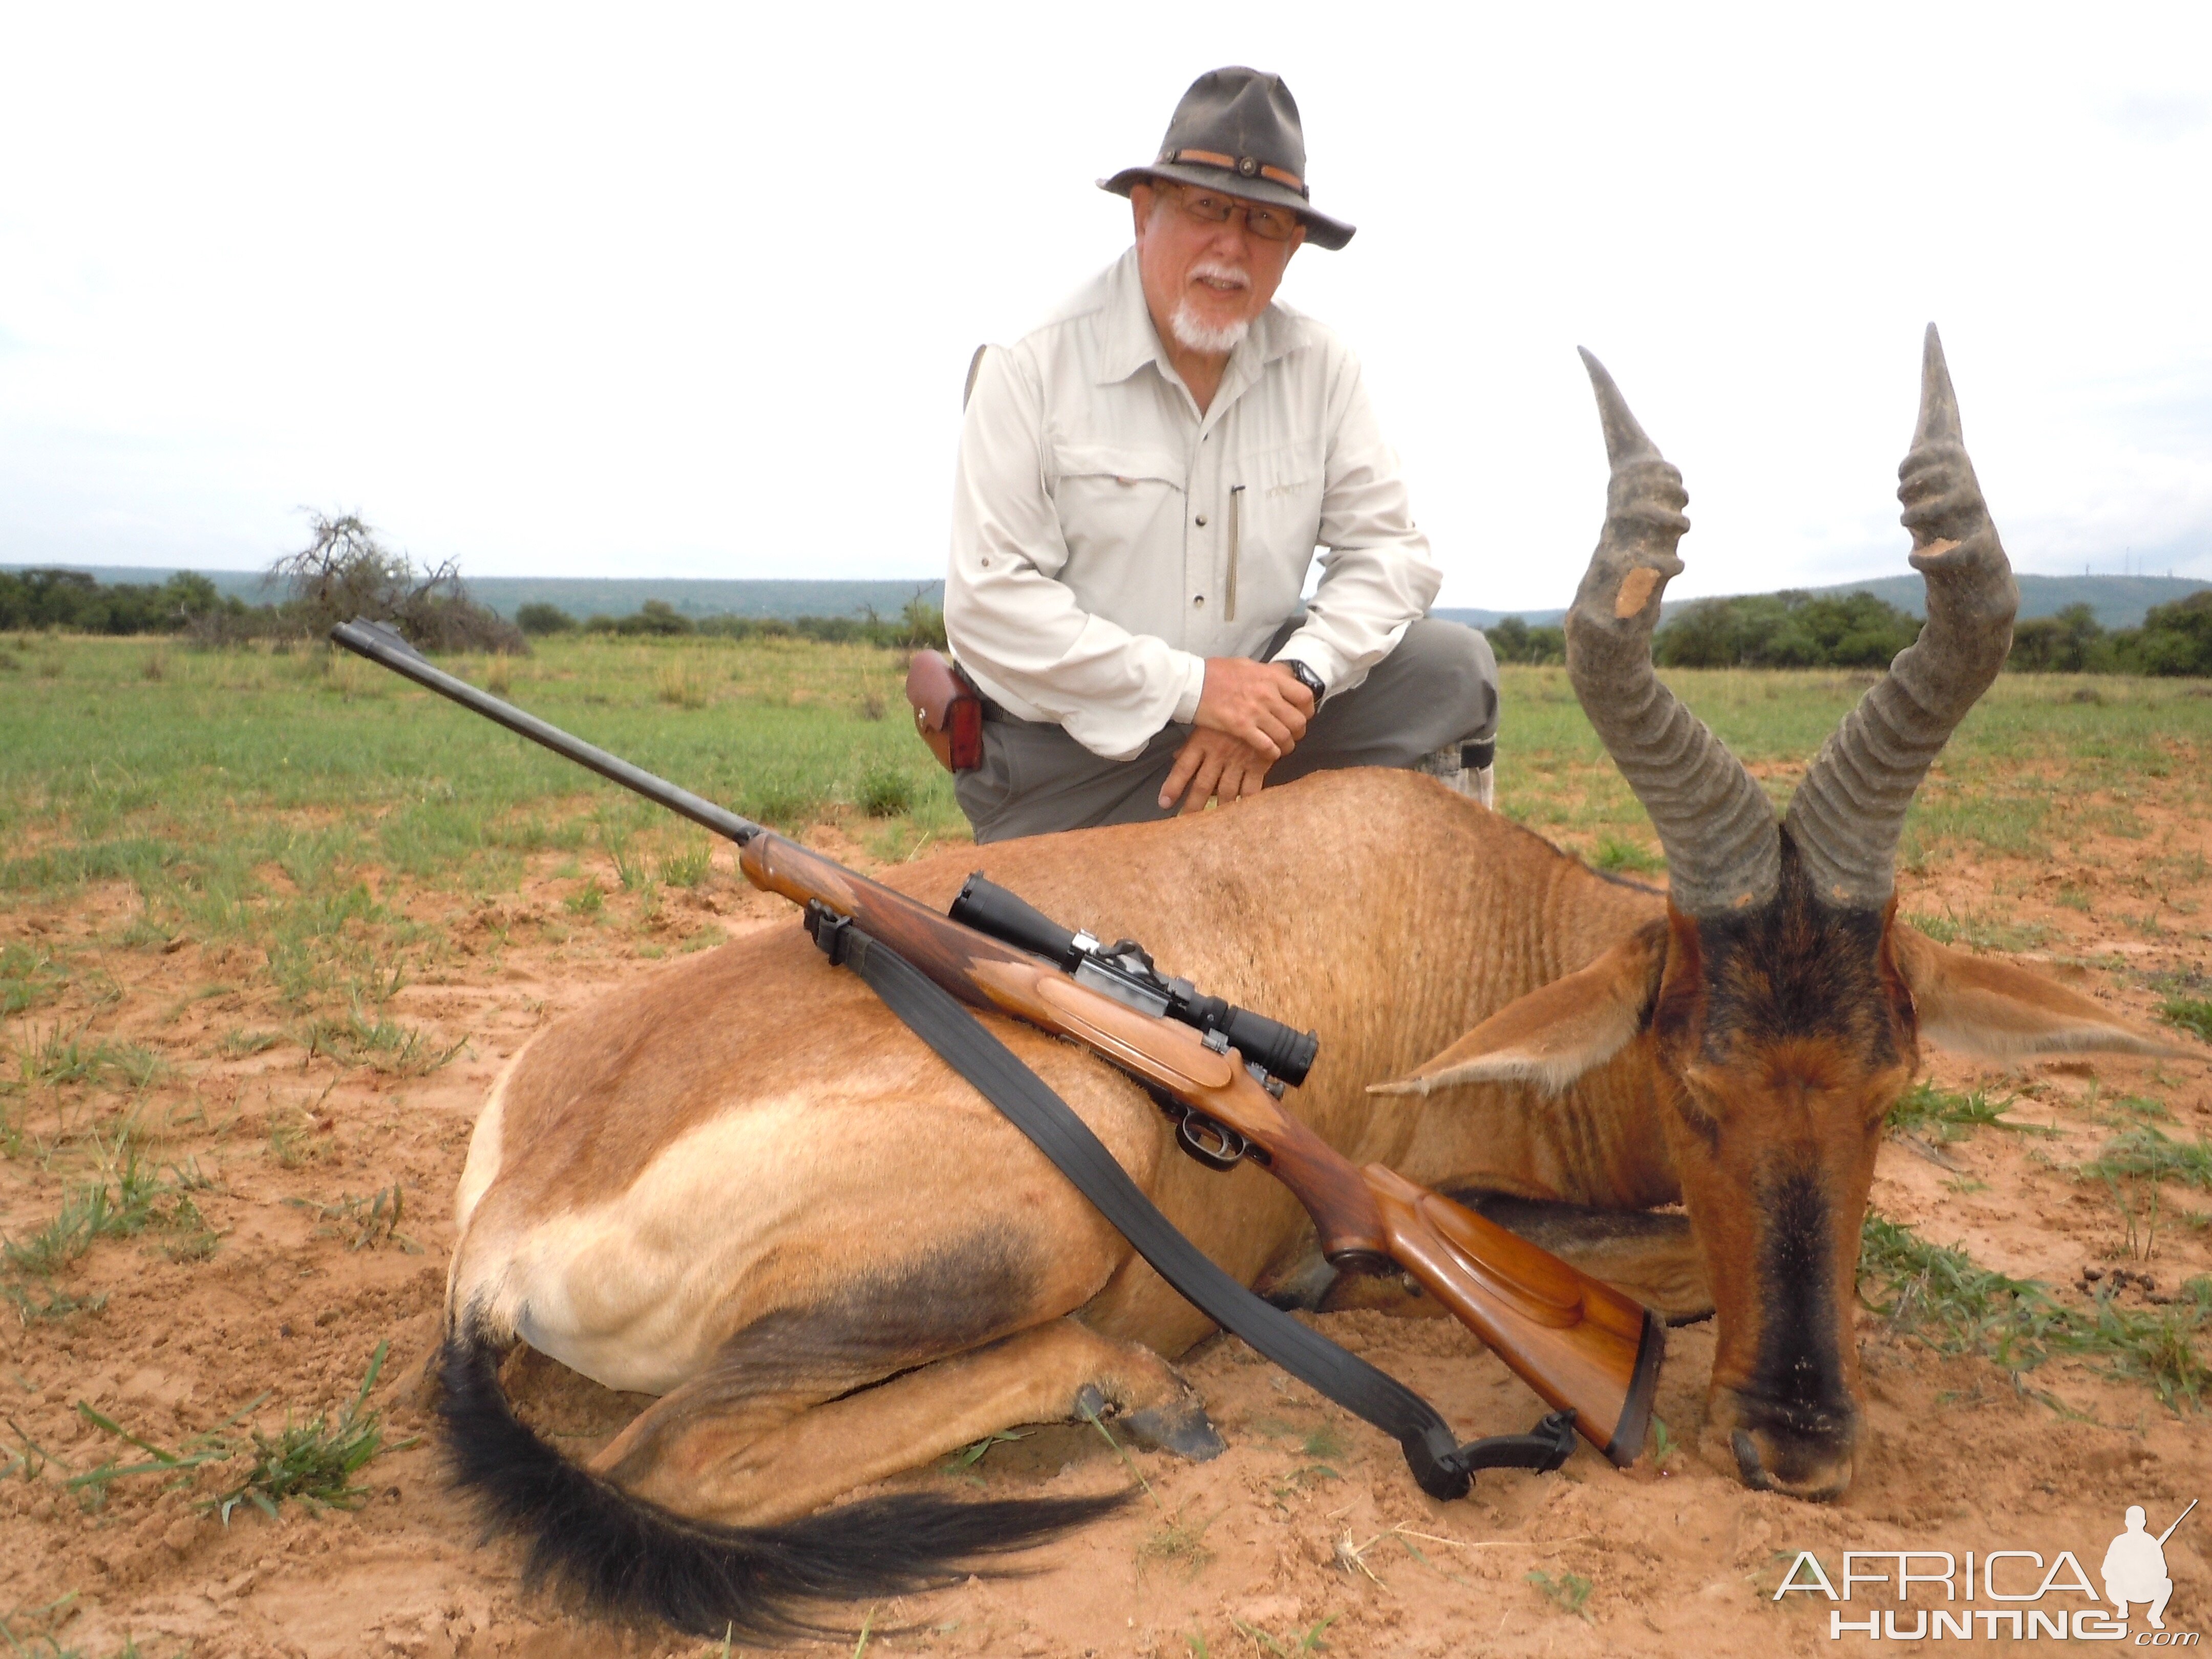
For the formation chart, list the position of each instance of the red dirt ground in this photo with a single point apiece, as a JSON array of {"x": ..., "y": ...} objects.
[{"x": 1307, "y": 1532}]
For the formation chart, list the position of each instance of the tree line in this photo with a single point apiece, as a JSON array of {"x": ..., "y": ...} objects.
[
  {"x": 918, "y": 623},
  {"x": 1859, "y": 630},
  {"x": 345, "y": 572}
]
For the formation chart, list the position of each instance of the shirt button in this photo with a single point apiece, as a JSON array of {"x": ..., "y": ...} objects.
[
  {"x": 1200, "y": 599},
  {"x": 1201, "y": 521}
]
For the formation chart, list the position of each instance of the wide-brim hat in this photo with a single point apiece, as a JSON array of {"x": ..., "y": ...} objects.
[{"x": 1237, "y": 130}]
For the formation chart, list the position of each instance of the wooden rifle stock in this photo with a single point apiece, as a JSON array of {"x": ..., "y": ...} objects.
[{"x": 1580, "y": 1344}]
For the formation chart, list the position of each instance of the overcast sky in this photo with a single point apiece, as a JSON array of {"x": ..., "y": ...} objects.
[{"x": 646, "y": 291}]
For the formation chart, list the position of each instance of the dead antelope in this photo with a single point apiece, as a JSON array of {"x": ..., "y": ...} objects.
[{"x": 743, "y": 1187}]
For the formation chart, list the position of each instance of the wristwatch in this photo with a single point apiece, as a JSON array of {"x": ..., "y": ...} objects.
[{"x": 1305, "y": 677}]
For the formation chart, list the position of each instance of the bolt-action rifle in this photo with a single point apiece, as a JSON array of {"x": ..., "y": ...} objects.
[{"x": 1585, "y": 1347}]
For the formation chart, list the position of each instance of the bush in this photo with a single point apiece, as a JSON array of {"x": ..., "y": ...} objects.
[
  {"x": 544, "y": 619},
  {"x": 1786, "y": 631},
  {"x": 73, "y": 600},
  {"x": 346, "y": 573},
  {"x": 2174, "y": 638},
  {"x": 886, "y": 792},
  {"x": 656, "y": 617},
  {"x": 2071, "y": 642},
  {"x": 1512, "y": 639}
]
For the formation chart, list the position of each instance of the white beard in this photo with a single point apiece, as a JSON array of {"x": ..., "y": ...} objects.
[{"x": 1193, "y": 334}]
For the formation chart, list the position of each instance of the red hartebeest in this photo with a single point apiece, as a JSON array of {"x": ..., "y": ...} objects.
[{"x": 743, "y": 1187}]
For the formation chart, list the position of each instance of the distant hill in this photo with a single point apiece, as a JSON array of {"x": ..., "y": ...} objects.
[
  {"x": 2118, "y": 601},
  {"x": 583, "y": 597}
]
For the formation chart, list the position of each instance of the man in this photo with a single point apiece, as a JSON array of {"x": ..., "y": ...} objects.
[
  {"x": 2135, "y": 1569},
  {"x": 1142, "y": 485}
]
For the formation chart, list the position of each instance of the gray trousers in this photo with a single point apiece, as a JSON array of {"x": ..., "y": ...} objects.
[{"x": 1439, "y": 687}]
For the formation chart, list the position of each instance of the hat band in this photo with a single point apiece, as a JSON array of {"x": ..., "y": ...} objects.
[{"x": 1246, "y": 166}]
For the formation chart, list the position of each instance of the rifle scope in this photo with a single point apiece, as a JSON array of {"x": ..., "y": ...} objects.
[{"x": 1125, "y": 972}]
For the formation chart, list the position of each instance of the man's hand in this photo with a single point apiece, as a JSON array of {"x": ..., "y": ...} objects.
[
  {"x": 1260, "y": 704},
  {"x": 1213, "y": 763}
]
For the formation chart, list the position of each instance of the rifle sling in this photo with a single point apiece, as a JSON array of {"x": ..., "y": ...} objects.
[{"x": 1442, "y": 1467}]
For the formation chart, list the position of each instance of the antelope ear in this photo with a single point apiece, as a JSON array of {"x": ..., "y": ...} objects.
[
  {"x": 1992, "y": 1010},
  {"x": 1551, "y": 1036}
]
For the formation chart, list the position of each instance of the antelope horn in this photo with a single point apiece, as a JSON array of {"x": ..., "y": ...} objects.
[
  {"x": 1713, "y": 820},
  {"x": 1849, "y": 813}
]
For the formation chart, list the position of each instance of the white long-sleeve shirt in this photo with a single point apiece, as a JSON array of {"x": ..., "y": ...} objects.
[{"x": 1108, "y": 537}]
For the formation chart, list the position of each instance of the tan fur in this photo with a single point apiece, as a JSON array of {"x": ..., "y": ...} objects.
[
  {"x": 1992, "y": 1010},
  {"x": 761, "y": 1466},
  {"x": 724, "y": 1149},
  {"x": 1554, "y": 1036},
  {"x": 741, "y": 1183}
]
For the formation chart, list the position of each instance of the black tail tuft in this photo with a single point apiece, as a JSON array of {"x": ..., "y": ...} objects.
[{"x": 633, "y": 1559}]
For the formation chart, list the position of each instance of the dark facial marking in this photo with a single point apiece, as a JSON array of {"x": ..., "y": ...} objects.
[
  {"x": 1796, "y": 967},
  {"x": 1797, "y": 1377}
]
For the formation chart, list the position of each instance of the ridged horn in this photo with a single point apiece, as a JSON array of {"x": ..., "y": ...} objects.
[
  {"x": 1713, "y": 820},
  {"x": 1847, "y": 815}
]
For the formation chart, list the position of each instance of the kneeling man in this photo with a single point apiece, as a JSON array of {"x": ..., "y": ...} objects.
[{"x": 1143, "y": 483}]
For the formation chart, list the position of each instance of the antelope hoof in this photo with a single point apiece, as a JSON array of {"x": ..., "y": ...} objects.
[
  {"x": 1799, "y": 1451},
  {"x": 1178, "y": 1426},
  {"x": 1181, "y": 1427}
]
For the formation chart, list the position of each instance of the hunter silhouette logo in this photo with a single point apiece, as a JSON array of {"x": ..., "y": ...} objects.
[
  {"x": 2018, "y": 1581},
  {"x": 2135, "y": 1567}
]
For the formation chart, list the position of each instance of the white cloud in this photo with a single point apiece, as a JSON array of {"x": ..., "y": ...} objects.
[{"x": 691, "y": 292}]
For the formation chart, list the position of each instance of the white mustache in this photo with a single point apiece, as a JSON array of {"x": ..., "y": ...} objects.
[{"x": 1221, "y": 273}]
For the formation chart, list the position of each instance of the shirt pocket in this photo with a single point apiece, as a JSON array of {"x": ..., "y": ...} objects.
[
  {"x": 1117, "y": 503},
  {"x": 1276, "y": 524}
]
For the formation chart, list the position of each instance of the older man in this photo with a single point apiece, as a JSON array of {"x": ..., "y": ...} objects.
[{"x": 1143, "y": 483}]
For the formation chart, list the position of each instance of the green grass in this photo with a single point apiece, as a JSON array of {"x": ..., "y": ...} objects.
[
  {"x": 1942, "y": 1115},
  {"x": 382, "y": 1045},
  {"x": 2132, "y": 1168},
  {"x": 887, "y": 791},
  {"x": 319, "y": 811},
  {"x": 2191, "y": 1014},
  {"x": 1178, "y": 1544},
  {"x": 57, "y": 1058},
  {"x": 1943, "y": 1298},
  {"x": 137, "y": 1198},
  {"x": 35, "y": 1633},
  {"x": 1308, "y": 1640},
  {"x": 1982, "y": 930},
  {"x": 313, "y": 1462},
  {"x": 29, "y": 976},
  {"x": 258, "y": 800},
  {"x": 1568, "y": 1592},
  {"x": 132, "y": 1196},
  {"x": 364, "y": 1221},
  {"x": 1988, "y": 796},
  {"x": 2144, "y": 1153},
  {"x": 1613, "y": 851}
]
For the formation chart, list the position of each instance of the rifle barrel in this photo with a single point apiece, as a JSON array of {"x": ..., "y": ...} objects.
[
  {"x": 2178, "y": 1520},
  {"x": 383, "y": 647}
]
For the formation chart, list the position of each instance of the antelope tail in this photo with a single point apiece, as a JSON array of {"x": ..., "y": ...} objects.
[{"x": 629, "y": 1557}]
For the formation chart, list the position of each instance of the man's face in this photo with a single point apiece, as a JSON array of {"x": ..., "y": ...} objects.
[{"x": 1204, "y": 282}]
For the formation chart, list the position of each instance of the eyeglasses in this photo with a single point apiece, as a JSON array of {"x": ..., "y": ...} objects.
[{"x": 1269, "y": 224}]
